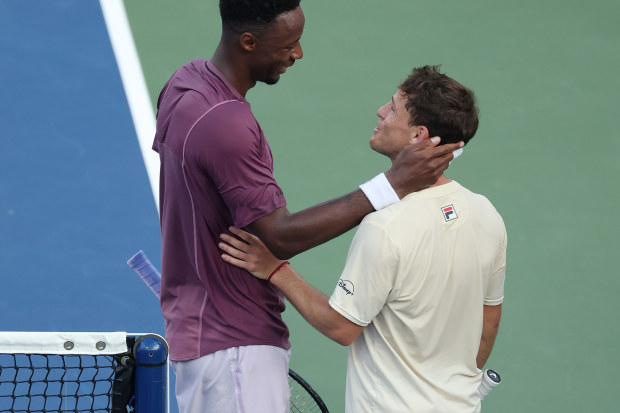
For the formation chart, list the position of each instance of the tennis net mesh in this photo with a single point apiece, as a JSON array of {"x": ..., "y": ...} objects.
[{"x": 67, "y": 372}]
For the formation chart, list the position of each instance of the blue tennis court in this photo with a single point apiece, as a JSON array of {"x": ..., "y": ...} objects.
[
  {"x": 74, "y": 194},
  {"x": 75, "y": 198}
]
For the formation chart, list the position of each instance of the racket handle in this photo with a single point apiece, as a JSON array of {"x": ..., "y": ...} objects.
[
  {"x": 490, "y": 379},
  {"x": 147, "y": 271}
]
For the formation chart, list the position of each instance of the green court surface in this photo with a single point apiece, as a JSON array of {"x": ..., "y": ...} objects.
[{"x": 547, "y": 155}]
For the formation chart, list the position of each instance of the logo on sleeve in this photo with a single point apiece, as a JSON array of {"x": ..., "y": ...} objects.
[
  {"x": 347, "y": 286},
  {"x": 449, "y": 213}
]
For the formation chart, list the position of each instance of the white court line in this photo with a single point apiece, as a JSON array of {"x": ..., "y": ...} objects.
[
  {"x": 137, "y": 96},
  {"x": 135, "y": 86}
]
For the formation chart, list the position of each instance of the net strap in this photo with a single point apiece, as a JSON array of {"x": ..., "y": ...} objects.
[{"x": 63, "y": 343}]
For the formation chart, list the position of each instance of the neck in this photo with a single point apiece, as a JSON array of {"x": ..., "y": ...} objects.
[
  {"x": 441, "y": 181},
  {"x": 233, "y": 68}
]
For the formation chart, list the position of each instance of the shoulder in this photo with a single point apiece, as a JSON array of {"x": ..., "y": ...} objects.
[
  {"x": 227, "y": 131},
  {"x": 187, "y": 74},
  {"x": 410, "y": 209},
  {"x": 233, "y": 112},
  {"x": 483, "y": 203},
  {"x": 485, "y": 212},
  {"x": 384, "y": 229},
  {"x": 228, "y": 122},
  {"x": 381, "y": 219}
]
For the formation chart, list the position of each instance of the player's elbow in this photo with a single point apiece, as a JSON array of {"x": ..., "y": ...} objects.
[
  {"x": 279, "y": 246},
  {"x": 278, "y": 234},
  {"x": 339, "y": 328},
  {"x": 343, "y": 336},
  {"x": 341, "y": 339},
  {"x": 344, "y": 341},
  {"x": 280, "y": 250},
  {"x": 284, "y": 254}
]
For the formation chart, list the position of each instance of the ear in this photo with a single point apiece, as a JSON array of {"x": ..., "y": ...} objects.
[
  {"x": 248, "y": 41},
  {"x": 419, "y": 133}
]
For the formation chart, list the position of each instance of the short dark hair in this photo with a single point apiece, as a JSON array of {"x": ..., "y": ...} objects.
[
  {"x": 446, "y": 107},
  {"x": 247, "y": 15}
]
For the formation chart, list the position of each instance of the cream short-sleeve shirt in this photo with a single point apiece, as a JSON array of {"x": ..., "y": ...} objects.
[{"x": 417, "y": 276}]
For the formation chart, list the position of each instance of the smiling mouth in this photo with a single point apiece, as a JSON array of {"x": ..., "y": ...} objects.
[{"x": 284, "y": 67}]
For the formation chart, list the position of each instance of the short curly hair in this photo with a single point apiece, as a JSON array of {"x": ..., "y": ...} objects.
[
  {"x": 243, "y": 15},
  {"x": 446, "y": 107}
]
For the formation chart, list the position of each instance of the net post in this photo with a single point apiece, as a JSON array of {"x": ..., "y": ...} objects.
[{"x": 151, "y": 378}]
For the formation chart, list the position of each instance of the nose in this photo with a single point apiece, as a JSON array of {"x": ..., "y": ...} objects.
[
  {"x": 298, "y": 52},
  {"x": 381, "y": 112}
]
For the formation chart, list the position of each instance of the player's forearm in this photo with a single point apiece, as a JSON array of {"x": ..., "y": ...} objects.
[
  {"x": 313, "y": 305},
  {"x": 287, "y": 234},
  {"x": 490, "y": 327},
  {"x": 486, "y": 345}
]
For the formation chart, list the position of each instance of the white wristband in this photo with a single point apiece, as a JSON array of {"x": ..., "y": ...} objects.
[
  {"x": 379, "y": 192},
  {"x": 456, "y": 153}
]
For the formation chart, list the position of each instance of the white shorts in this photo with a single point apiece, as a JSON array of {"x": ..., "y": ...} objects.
[{"x": 235, "y": 380}]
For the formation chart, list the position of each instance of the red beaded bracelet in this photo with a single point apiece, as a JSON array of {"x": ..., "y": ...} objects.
[{"x": 277, "y": 269}]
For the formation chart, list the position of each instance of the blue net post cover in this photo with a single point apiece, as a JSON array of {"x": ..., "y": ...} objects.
[{"x": 151, "y": 379}]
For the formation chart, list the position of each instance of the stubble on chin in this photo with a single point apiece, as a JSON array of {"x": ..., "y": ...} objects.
[{"x": 271, "y": 81}]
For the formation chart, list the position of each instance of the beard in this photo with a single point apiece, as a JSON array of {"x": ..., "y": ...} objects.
[
  {"x": 273, "y": 75},
  {"x": 271, "y": 80}
]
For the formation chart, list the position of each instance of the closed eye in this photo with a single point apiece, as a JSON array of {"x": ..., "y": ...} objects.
[{"x": 291, "y": 46}]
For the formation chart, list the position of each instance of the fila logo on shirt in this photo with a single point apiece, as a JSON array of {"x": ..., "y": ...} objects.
[{"x": 449, "y": 213}]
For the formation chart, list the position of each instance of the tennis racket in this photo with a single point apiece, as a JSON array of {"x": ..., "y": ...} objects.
[
  {"x": 490, "y": 379},
  {"x": 303, "y": 397},
  {"x": 147, "y": 271}
]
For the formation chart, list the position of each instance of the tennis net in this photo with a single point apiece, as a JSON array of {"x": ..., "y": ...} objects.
[{"x": 83, "y": 372}]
